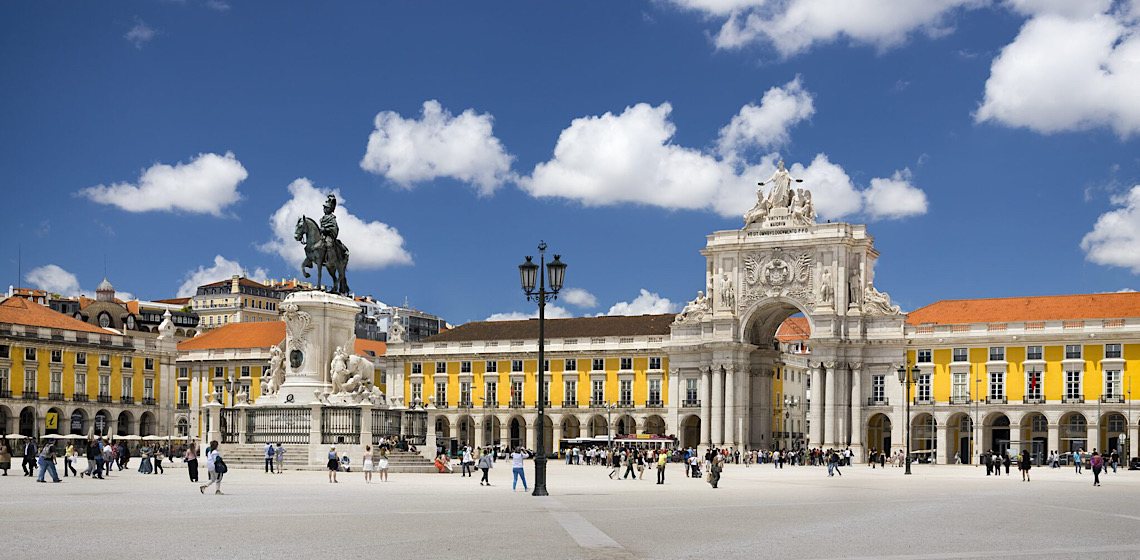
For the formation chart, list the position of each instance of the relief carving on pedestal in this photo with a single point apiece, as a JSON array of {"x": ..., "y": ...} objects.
[
  {"x": 298, "y": 325},
  {"x": 778, "y": 274}
]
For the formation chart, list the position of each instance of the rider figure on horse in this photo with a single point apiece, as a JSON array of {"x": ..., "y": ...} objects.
[{"x": 329, "y": 228}]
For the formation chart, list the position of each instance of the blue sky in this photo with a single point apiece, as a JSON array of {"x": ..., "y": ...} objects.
[{"x": 990, "y": 146}]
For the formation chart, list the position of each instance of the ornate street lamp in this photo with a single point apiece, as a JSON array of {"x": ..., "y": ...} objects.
[
  {"x": 556, "y": 270},
  {"x": 907, "y": 381}
]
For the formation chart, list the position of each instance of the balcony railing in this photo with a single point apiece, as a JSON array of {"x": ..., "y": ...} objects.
[
  {"x": 655, "y": 403},
  {"x": 926, "y": 401},
  {"x": 1072, "y": 400},
  {"x": 466, "y": 404},
  {"x": 440, "y": 404},
  {"x": 691, "y": 403},
  {"x": 491, "y": 404},
  {"x": 1034, "y": 400},
  {"x": 5, "y": 393},
  {"x": 517, "y": 404},
  {"x": 996, "y": 400},
  {"x": 625, "y": 404},
  {"x": 570, "y": 404},
  {"x": 182, "y": 406},
  {"x": 1117, "y": 399},
  {"x": 126, "y": 399},
  {"x": 105, "y": 398},
  {"x": 148, "y": 401},
  {"x": 597, "y": 403},
  {"x": 31, "y": 395},
  {"x": 878, "y": 402},
  {"x": 960, "y": 399},
  {"x": 79, "y": 397},
  {"x": 55, "y": 396}
]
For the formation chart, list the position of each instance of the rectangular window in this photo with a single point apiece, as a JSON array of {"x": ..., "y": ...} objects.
[
  {"x": 625, "y": 392},
  {"x": 570, "y": 388},
  {"x": 441, "y": 393},
  {"x": 57, "y": 356},
  {"x": 925, "y": 356},
  {"x": 81, "y": 358},
  {"x": 598, "y": 364},
  {"x": 959, "y": 386},
  {"x": 441, "y": 367},
  {"x": 570, "y": 364},
  {"x": 546, "y": 392},
  {"x": 464, "y": 367},
  {"x": 655, "y": 391},
  {"x": 1072, "y": 384},
  {"x": 104, "y": 385},
  {"x": 30, "y": 354},
  {"x": 626, "y": 364},
  {"x": 30, "y": 381},
  {"x": 1072, "y": 351},
  {"x": 516, "y": 366},
  {"x": 492, "y": 367},
  {"x": 546, "y": 365},
  {"x": 1033, "y": 379},
  {"x": 997, "y": 385},
  {"x": 219, "y": 371},
  {"x": 183, "y": 395},
  {"x": 56, "y": 382},
  {"x": 997, "y": 354},
  {"x": 878, "y": 388},
  {"x": 148, "y": 388},
  {"x": 148, "y": 364},
  {"x": 922, "y": 388},
  {"x": 1033, "y": 353},
  {"x": 516, "y": 393},
  {"x": 491, "y": 393},
  {"x": 1112, "y": 386},
  {"x": 417, "y": 368},
  {"x": 128, "y": 362},
  {"x": 417, "y": 393},
  {"x": 1112, "y": 351},
  {"x": 245, "y": 371},
  {"x": 598, "y": 392},
  {"x": 104, "y": 360},
  {"x": 961, "y": 355},
  {"x": 655, "y": 362},
  {"x": 465, "y": 392},
  {"x": 218, "y": 392},
  {"x": 128, "y": 382},
  {"x": 5, "y": 351},
  {"x": 183, "y": 373},
  {"x": 691, "y": 393},
  {"x": 80, "y": 383}
]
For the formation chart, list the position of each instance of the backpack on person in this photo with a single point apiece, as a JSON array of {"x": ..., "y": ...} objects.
[{"x": 220, "y": 465}]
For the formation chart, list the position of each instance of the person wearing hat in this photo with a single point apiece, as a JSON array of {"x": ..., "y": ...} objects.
[{"x": 334, "y": 464}]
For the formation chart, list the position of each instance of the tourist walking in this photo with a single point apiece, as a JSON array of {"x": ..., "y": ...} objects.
[
  {"x": 485, "y": 463},
  {"x": 5, "y": 457},
  {"x": 279, "y": 455},
  {"x": 382, "y": 464},
  {"x": 1006, "y": 461},
  {"x": 69, "y": 458},
  {"x": 716, "y": 464},
  {"x": 31, "y": 451},
  {"x": 366, "y": 464},
  {"x": 640, "y": 465},
  {"x": 517, "y": 468},
  {"x": 615, "y": 461},
  {"x": 333, "y": 464},
  {"x": 467, "y": 461},
  {"x": 662, "y": 459},
  {"x": 833, "y": 463},
  {"x": 158, "y": 457},
  {"x": 1096, "y": 461},
  {"x": 215, "y": 469},
  {"x": 191, "y": 458},
  {"x": 47, "y": 462},
  {"x": 629, "y": 460},
  {"x": 270, "y": 453},
  {"x": 1024, "y": 464}
]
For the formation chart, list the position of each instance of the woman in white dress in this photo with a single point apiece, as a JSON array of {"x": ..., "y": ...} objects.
[
  {"x": 366, "y": 464},
  {"x": 382, "y": 464}
]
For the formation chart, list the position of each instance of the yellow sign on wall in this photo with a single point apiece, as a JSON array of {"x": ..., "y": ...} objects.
[{"x": 52, "y": 420}]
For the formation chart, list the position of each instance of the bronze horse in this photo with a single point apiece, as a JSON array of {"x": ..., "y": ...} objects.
[{"x": 317, "y": 254}]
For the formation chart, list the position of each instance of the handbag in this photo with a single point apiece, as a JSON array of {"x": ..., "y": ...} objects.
[{"x": 220, "y": 466}]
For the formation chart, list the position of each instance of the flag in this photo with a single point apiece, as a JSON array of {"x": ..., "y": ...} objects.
[{"x": 1032, "y": 380}]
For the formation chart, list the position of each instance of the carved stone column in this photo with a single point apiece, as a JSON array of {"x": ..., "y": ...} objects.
[
  {"x": 730, "y": 404},
  {"x": 816, "y": 435},
  {"x": 829, "y": 406},
  {"x": 717, "y": 406},
  {"x": 706, "y": 406},
  {"x": 942, "y": 440},
  {"x": 857, "y": 427},
  {"x": 1054, "y": 440}
]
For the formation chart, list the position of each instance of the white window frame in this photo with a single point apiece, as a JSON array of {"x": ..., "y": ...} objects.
[
  {"x": 491, "y": 392},
  {"x": 492, "y": 366},
  {"x": 923, "y": 387},
  {"x": 127, "y": 386},
  {"x": 924, "y": 356},
  {"x": 31, "y": 355},
  {"x": 625, "y": 391},
  {"x": 598, "y": 391},
  {"x": 1029, "y": 353},
  {"x": 595, "y": 362},
  {"x": 1077, "y": 354},
  {"x": 1037, "y": 392},
  {"x": 465, "y": 367},
  {"x": 104, "y": 385},
  {"x": 1112, "y": 383},
  {"x": 518, "y": 395},
  {"x": 55, "y": 382},
  {"x": 184, "y": 394},
  {"x": 441, "y": 367},
  {"x": 1074, "y": 389},
  {"x": 570, "y": 391},
  {"x": 1114, "y": 348},
  {"x": 148, "y": 388},
  {"x": 960, "y": 385},
  {"x": 516, "y": 366},
  {"x": 417, "y": 392},
  {"x": 81, "y": 358},
  {"x": 570, "y": 364},
  {"x": 440, "y": 393},
  {"x": 692, "y": 389},
  {"x": 655, "y": 390},
  {"x": 878, "y": 388},
  {"x": 465, "y": 392},
  {"x": 80, "y": 383},
  {"x": 996, "y": 383},
  {"x": 417, "y": 368},
  {"x": 965, "y": 355},
  {"x": 57, "y": 356},
  {"x": 625, "y": 364},
  {"x": 30, "y": 376},
  {"x": 996, "y": 353}
]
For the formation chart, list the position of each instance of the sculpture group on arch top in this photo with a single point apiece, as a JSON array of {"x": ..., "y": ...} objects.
[{"x": 794, "y": 274}]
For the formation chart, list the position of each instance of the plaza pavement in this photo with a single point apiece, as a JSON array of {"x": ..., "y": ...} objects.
[{"x": 758, "y": 512}]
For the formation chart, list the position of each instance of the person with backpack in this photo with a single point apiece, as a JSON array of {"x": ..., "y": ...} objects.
[
  {"x": 485, "y": 463},
  {"x": 215, "y": 469},
  {"x": 270, "y": 453}
]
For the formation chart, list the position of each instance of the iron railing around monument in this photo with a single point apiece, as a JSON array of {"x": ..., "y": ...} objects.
[
  {"x": 230, "y": 427},
  {"x": 385, "y": 424},
  {"x": 340, "y": 425},
  {"x": 417, "y": 427},
  {"x": 278, "y": 425}
]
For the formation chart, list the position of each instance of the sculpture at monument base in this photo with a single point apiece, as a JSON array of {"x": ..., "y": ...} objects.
[
  {"x": 693, "y": 310},
  {"x": 878, "y": 303},
  {"x": 781, "y": 206}
]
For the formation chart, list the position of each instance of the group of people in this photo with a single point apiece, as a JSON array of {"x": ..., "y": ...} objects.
[
  {"x": 101, "y": 457},
  {"x": 370, "y": 462}
]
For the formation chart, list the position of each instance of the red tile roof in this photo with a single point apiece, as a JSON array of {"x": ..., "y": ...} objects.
[
  {"x": 19, "y": 311},
  {"x": 794, "y": 328},
  {"x": 260, "y": 335},
  {"x": 174, "y": 301},
  {"x": 1038, "y": 308}
]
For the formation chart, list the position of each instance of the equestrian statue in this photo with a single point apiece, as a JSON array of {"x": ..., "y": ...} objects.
[{"x": 323, "y": 249}]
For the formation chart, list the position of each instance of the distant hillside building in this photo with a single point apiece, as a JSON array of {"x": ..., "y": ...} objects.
[{"x": 237, "y": 300}]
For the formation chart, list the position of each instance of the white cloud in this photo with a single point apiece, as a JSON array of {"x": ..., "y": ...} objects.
[
  {"x": 795, "y": 26},
  {"x": 766, "y": 126},
  {"x": 894, "y": 198},
  {"x": 370, "y": 244},
  {"x": 1115, "y": 238},
  {"x": 140, "y": 34},
  {"x": 409, "y": 151},
  {"x": 579, "y": 298},
  {"x": 223, "y": 269},
  {"x": 1087, "y": 80},
  {"x": 647, "y": 303},
  {"x": 53, "y": 279},
  {"x": 218, "y": 5},
  {"x": 629, "y": 158},
  {"x": 206, "y": 185},
  {"x": 552, "y": 312}
]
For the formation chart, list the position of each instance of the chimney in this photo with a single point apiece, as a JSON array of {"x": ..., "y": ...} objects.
[{"x": 234, "y": 285}]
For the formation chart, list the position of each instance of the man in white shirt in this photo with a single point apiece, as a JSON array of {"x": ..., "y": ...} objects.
[{"x": 517, "y": 468}]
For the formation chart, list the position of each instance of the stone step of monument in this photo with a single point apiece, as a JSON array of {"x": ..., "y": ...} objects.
[{"x": 252, "y": 456}]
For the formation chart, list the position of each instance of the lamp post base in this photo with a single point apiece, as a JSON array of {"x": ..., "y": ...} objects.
[{"x": 539, "y": 477}]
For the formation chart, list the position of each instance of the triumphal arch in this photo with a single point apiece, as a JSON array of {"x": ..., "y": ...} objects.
[{"x": 783, "y": 262}]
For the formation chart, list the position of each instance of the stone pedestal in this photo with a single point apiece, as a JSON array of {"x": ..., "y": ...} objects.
[{"x": 315, "y": 323}]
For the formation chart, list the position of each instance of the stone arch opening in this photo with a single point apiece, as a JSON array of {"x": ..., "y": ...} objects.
[
  {"x": 1034, "y": 436},
  {"x": 124, "y": 423},
  {"x": 691, "y": 431},
  {"x": 517, "y": 427},
  {"x": 960, "y": 438},
  {"x": 997, "y": 424},
  {"x": 879, "y": 433},
  {"x": 1074, "y": 432},
  {"x": 491, "y": 430},
  {"x": 466, "y": 430},
  {"x": 1112, "y": 425},
  {"x": 183, "y": 426},
  {"x": 60, "y": 422},
  {"x": 147, "y": 425},
  {"x": 923, "y": 443},
  {"x": 772, "y": 388},
  {"x": 4, "y": 416},
  {"x": 77, "y": 422},
  {"x": 28, "y": 422},
  {"x": 598, "y": 426},
  {"x": 625, "y": 425},
  {"x": 571, "y": 427},
  {"x": 654, "y": 424},
  {"x": 100, "y": 423}
]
